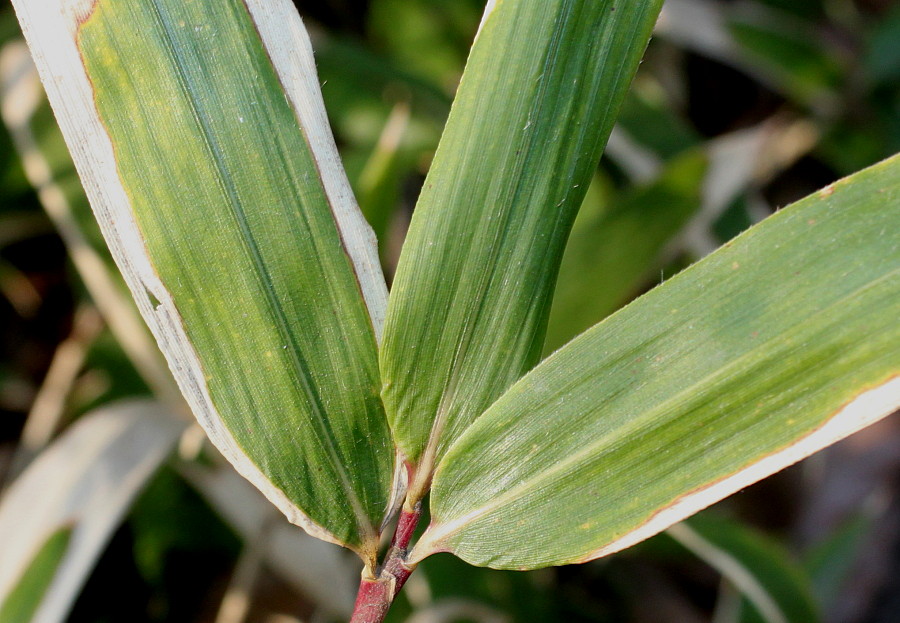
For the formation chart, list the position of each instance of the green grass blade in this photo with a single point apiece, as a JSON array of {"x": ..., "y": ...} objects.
[
  {"x": 776, "y": 588},
  {"x": 777, "y": 345},
  {"x": 200, "y": 136},
  {"x": 470, "y": 300},
  {"x": 831, "y": 562}
]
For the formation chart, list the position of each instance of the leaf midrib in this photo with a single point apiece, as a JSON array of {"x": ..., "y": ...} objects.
[{"x": 262, "y": 274}]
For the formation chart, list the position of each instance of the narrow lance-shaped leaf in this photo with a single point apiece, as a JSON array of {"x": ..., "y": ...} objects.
[
  {"x": 199, "y": 133},
  {"x": 470, "y": 300},
  {"x": 777, "y": 345}
]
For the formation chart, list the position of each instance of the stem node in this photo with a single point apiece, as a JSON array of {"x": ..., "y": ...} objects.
[{"x": 376, "y": 595}]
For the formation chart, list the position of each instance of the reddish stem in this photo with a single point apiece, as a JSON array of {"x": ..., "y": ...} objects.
[
  {"x": 372, "y": 601},
  {"x": 376, "y": 595},
  {"x": 406, "y": 525}
]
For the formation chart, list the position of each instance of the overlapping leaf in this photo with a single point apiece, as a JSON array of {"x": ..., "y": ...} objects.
[
  {"x": 470, "y": 300},
  {"x": 775, "y": 346},
  {"x": 57, "y": 517}
]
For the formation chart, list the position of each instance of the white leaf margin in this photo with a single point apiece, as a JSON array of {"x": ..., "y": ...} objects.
[
  {"x": 288, "y": 45},
  {"x": 863, "y": 411},
  {"x": 867, "y": 408},
  {"x": 488, "y": 10},
  {"x": 50, "y": 28}
]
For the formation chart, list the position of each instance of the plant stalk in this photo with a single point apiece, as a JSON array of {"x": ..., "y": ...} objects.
[{"x": 376, "y": 594}]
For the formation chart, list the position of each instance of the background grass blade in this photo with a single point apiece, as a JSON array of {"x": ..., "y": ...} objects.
[
  {"x": 776, "y": 588},
  {"x": 470, "y": 300},
  {"x": 225, "y": 205},
  {"x": 25, "y": 597},
  {"x": 779, "y": 344},
  {"x": 57, "y": 517},
  {"x": 325, "y": 574}
]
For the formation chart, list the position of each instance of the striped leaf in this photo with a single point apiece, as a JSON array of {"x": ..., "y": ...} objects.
[
  {"x": 777, "y": 345},
  {"x": 199, "y": 133},
  {"x": 471, "y": 296}
]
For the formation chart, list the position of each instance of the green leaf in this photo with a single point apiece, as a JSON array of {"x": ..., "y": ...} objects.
[
  {"x": 470, "y": 300},
  {"x": 427, "y": 37},
  {"x": 25, "y": 598},
  {"x": 656, "y": 124},
  {"x": 776, "y": 586},
  {"x": 777, "y": 345},
  {"x": 790, "y": 48},
  {"x": 380, "y": 182},
  {"x": 200, "y": 136},
  {"x": 882, "y": 56}
]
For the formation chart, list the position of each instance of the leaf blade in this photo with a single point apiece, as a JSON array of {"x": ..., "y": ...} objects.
[
  {"x": 202, "y": 145},
  {"x": 480, "y": 260},
  {"x": 25, "y": 598},
  {"x": 745, "y": 363}
]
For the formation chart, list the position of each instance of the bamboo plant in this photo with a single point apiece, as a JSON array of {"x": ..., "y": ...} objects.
[{"x": 200, "y": 136}]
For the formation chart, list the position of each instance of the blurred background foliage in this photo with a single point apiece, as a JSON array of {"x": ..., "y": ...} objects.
[{"x": 740, "y": 107}]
